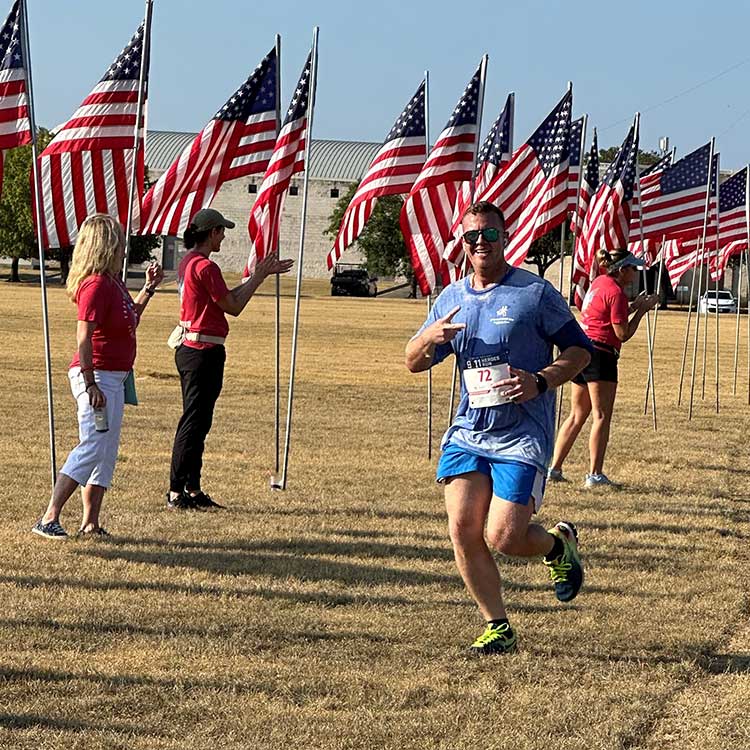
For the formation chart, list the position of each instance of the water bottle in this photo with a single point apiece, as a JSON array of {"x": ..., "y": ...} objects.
[{"x": 101, "y": 424}]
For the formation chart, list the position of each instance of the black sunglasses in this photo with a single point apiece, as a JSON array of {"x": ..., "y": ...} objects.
[{"x": 490, "y": 234}]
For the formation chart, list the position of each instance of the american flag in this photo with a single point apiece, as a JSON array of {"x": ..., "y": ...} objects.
[
  {"x": 86, "y": 168},
  {"x": 427, "y": 215},
  {"x": 392, "y": 172},
  {"x": 589, "y": 185},
  {"x": 679, "y": 259},
  {"x": 673, "y": 200},
  {"x": 648, "y": 249},
  {"x": 574, "y": 161},
  {"x": 237, "y": 142},
  {"x": 733, "y": 207},
  {"x": 15, "y": 126},
  {"x": 607, "y": 221},
  {"x": 287, "y": 159},
  {"x": 532, "y": 191},
  {"x": 492, "y": 158}
]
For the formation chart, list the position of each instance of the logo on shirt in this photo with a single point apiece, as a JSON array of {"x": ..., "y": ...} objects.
[{"x": 501, "y": 316}]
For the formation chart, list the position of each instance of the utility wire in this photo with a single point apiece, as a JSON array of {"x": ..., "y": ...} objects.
[{"x": 670, "y": 99}]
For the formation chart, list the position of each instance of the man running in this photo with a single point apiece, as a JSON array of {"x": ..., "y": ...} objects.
[{"x": 501, "y": 322}]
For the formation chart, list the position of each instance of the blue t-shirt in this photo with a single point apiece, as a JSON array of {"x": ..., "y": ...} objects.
[{"x": 519, "y": 319}]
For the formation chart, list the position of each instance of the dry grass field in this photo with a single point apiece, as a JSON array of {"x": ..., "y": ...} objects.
[{"x": 331, "y": 616}]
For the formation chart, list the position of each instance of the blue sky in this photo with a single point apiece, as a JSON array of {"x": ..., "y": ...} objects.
[{"x": 372, "y": 56}]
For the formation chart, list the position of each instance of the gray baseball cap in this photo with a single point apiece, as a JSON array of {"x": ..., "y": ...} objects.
[
  {"x": 208, "y": 218},
  {"x": 628, "y": 260}
]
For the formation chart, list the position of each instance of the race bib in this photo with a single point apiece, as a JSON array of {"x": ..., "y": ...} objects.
[{"x": 482, "y": 378}]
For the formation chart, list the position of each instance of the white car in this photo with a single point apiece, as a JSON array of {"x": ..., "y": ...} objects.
[{"x": 722, "y": 301}]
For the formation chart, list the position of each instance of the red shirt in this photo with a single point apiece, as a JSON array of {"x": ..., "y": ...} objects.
[
  {"x": 201, "y": 287},
  {"x": 104, "y": 300},
  {"x": 604, "y": 304}
]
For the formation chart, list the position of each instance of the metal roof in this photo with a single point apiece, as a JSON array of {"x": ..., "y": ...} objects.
[{"x": 329, "y": 160}]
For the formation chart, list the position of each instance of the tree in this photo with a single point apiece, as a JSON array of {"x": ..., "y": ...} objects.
[
  {"x": 17, "y": 235},
  {"x": 381, "y": 241},
  {"x": 546, "y": 250},
  {"x": 645, "y": 158}
]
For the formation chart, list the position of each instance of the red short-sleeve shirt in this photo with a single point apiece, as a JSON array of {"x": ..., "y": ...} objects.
[
  {"x": 104, "y": 300},
  {"x": 605, "y": 303},
  {"x": 201, "y": 287}
]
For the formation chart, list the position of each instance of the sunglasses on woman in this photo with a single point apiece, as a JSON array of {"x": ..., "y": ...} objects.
[{"x": 490, "y": 234}]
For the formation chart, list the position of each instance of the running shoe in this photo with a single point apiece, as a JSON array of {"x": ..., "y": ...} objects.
[
  {"x": 566, "y": 571},
  {"x": 593, "y": 481},
  {"x": 51, "y": 530},
  {"x": 496, "y": 639},
  {"x": 555, "y": 475}
]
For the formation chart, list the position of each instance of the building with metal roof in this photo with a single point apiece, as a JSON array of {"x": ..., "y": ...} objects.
[{"x": 334, "y": 166}]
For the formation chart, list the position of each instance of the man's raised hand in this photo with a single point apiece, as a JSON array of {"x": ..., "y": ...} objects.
[{"x": 444, "y": 329}]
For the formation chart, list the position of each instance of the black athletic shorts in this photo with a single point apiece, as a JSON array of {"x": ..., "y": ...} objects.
[{"x": 603, "y": 365}]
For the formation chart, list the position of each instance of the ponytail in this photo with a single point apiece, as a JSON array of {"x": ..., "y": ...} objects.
[
  {"x": 607, "y": 259},
  {"x": 193, "y": 236}
]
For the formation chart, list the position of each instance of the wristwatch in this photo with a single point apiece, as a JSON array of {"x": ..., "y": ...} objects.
[{"x": 541, "y": 382}]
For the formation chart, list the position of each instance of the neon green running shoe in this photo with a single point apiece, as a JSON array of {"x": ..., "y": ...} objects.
[
  {"x": 566, "y": 571},
  {"x": 496, "y": 639}
]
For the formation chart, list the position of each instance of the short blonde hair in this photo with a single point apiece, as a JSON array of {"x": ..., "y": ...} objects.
[{"x": 99, "y": 240}]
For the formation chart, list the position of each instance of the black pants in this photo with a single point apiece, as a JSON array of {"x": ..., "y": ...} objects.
[{"x": 201, "y": 375}]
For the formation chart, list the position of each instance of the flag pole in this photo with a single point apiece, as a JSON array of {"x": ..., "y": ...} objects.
[
  {"x": 277, "y": 300},
  {"x": 716, "y": 288},
  {"x": 300, "y": 257},
  {"x": 645, "y": 283},
  {"x": 708, "y": 284},
  {"x": 429, "y": 296},
  {"x": 687, "y": 324},
  {"x": 584, "y": 127},
  {"x": 659, "y": 278},
  {"x": 143, "y": 74},
  {"x": 472, "y": 190},
  {"x": 39, "y": 210},
  {"x": 700, "y": 273},
  {"x": 737, "y": 329}
]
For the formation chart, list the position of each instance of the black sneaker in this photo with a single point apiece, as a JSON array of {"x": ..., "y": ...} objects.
[
  {"x": 496, "y": 639},
  {"x": 204, "y": 501},
  {"x": 183, "y": 501},
  {"x": 566, "y": 571},
  {"x": 97, "y": 533},
  {"x": 51, "y": 530}
]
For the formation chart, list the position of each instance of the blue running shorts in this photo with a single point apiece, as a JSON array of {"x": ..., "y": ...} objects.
[{"x": 513, "y": 481}]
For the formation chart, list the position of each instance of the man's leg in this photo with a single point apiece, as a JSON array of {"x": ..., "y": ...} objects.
[
  {"x": 510, "y": 531},
  {"x": 467, "y": 500}
]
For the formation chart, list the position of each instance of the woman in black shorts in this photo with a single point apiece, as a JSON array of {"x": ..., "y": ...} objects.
[{"x": 607, "y": 321}]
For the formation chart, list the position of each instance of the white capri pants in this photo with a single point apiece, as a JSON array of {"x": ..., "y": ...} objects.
[{"x": 92, "y": 461}]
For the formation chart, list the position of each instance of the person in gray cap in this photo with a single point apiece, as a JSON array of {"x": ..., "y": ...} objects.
[
  {"x": 608, "y": 321},
  {"x": 199, "y": 339}
]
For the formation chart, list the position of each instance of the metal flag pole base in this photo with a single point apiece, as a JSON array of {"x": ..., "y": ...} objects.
[{"x": 275, "y": 482}]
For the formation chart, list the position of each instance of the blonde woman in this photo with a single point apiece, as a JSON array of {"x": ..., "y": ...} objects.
[
  {"x": 608, "y": 321},
  {"x": 107, "y": 319}
]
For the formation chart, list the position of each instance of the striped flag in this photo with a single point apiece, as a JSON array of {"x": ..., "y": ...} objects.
[
  {"x": 673, "y": 200},
  {"x": 392, "y": 172},
  {"x": 607, "y": 221},
  {"x": 532, "y": 191},
  {"x": 15, "y": 125},
  {"x": 589, "y": 185},
  {"x": 86, "y": 168},
  {"x": 648, "y": 249},
  {"x": 492, "y": 158},
  {"x": 287, "y": 159},
  {"x": 679, "y": 258},
  {"x": 237, "y": 142},
  {"x": 574, "y": 162},
  {"x": 733, "y": 206},
  {"x": 427, "y": 215}
]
